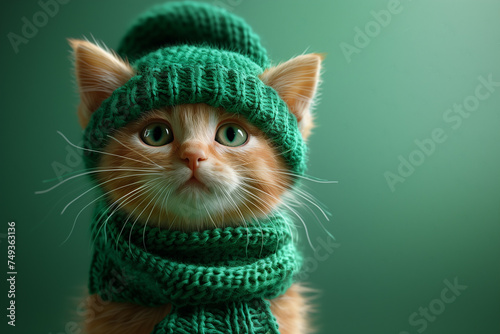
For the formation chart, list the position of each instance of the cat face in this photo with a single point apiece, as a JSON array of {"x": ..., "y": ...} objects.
[
  {"x": 195, "y": 167},
  {"x": 192, "y": 166}
]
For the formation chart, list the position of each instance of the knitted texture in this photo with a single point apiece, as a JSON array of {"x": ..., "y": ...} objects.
[
  {"x": 218, "y": 280},
  {"x": 193, "y": 24},
  {"x": 205, "y": 55}
]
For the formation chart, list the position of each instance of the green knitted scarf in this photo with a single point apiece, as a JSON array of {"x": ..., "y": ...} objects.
[{"x": 218, "y": 281}]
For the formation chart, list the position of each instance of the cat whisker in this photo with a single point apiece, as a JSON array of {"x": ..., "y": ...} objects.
[
  {"x": 87, "y": 173},
  {"x": 254, "y": 198},
  {"x": 304, "y": 177},
  {"x": 89, "y": 169},
  {"x": 220, "y": 204},
  {"x": 231, "y": 201},
  {"x": 150, "y": 185},
  {"x": 314, "y": 214},
  {"x": 115, "y": 206},
  {"x": 209, "y": 215},
  {"x": 164, "y": 206},
  {"x": 271, "y": 212},
  {"x": 134, "y": 193},
  {"x": 80, "y": 212},
  {"x": 173, "y": 221},
  {"x": 237, "y": 192},
  {"x": 135, "y": 196},
  {"x": 142, "y": 155},
  {"x": 317, "y": 202},
  {"x": 57, "y": 204},
  {"x": 140, "y": 214},
  {"x": 256, "y": 220},
  {"x": 302, "y": 194},
  {"x": 290, "y": 209},
  {"x": 296, "y": 191},
  {"x": 149, "y": 216},
  {"x": 101, "y": 152},
  {"x": 243, "y": 221},
  {"x": 260, "y": 201},
  {"x": 101, "y": 184}
]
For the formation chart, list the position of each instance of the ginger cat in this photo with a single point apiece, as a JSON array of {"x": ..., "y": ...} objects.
[{"x": 191, "y": 144}]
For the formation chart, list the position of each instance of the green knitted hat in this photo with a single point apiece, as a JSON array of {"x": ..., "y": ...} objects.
[{"x": 186, "y": 52}]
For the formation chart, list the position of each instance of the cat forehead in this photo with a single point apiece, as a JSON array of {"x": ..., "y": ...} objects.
[{"x": 199, "y": 114}]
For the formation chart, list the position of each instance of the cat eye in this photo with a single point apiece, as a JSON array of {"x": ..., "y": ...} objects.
[
  {"x": 157, "y": 134},
  {"x": 231, "y": 134}
]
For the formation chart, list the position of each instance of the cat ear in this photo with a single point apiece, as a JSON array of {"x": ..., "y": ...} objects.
[
  {"x": 98, "y": 73},
  {"x": 296, "y": 82}
]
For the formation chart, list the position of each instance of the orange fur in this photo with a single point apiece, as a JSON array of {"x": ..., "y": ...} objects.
[{"x": 103, "y": 317}]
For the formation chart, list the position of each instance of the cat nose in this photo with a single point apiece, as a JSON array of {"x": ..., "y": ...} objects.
[{"x": 193, "y": 156}]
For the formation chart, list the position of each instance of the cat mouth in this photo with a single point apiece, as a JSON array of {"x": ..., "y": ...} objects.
[{"x": 194, "y": 184}]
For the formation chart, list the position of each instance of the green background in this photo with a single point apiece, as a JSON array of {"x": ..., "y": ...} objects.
[{"x": 394, "y": 249}]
